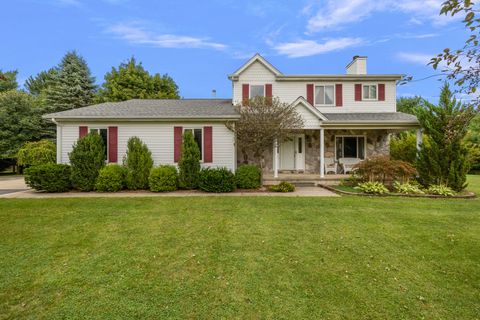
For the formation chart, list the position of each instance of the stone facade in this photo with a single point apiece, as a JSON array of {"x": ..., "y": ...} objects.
[{"x": 378, "y": 143}]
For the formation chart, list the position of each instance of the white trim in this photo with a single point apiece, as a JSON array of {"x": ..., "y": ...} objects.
[
  {"x": 376, "y": 92},
  {"x": 322, "y": 153},
  {"x": 351, "y": 135},
  {"x": 203, "y": 143},
  {"x": 255, "y": 58},
  {"x": 309, "y": 107},
  {"x": 324, "y": 95}
]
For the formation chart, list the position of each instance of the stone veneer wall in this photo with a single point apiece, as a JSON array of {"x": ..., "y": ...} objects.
[{"x": 378, "y": 143}]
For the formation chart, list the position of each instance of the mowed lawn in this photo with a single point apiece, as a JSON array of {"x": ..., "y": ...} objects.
[{"x": 245, "y": 258}]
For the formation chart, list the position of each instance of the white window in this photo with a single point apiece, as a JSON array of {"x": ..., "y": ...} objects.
[
  {"x": 370, "y": 92},
  {"x": 257, "y": 91},
  {"x": 350, "y": 147},
  {"x": 103, "y": 132},
  {"x": 198, "y": 136},
  {"x": 324, "y": 95}
]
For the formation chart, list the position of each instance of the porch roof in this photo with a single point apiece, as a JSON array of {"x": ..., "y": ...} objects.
[{"x": 370, "y": 119}]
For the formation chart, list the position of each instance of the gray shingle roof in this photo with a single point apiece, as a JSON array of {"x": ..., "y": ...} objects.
[
  {"x": 371, "y": 117},
  {"x": 154, "y": 109}
]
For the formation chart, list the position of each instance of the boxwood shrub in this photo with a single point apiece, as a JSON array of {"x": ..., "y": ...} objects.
[
  {"x": 163, "y": 178},
  {"x": 49, "y": 177},
  {"x": 216, "y": 180},
  {"x": 111, "y": 178},
  {"x": 248, "y": 177}
]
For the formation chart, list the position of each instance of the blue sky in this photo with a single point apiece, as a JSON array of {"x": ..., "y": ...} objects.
[{"x": 199, "y": 42}]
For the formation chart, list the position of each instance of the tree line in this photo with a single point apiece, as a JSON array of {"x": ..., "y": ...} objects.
[{"x": 68, "y": 85}]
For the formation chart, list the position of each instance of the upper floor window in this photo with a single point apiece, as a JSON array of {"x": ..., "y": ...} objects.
[
  {"x": 257, "y": 91},
  {"x": 198, "y": 136},
  {"x": 324, "y": 95},
  {"x": 370, "y": 92}
]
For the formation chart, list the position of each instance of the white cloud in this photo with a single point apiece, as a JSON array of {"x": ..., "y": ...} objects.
[
  {"x": 417, "y": 58},
  {"x": 335, "y": 13},
  {"x": 133, "y": 33},
  {"x": 304, "y": 48}
]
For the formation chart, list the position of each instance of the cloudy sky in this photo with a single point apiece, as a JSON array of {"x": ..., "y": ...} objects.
[{"x": 199, "y": 42}]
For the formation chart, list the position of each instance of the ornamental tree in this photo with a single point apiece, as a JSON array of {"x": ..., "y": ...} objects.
[{"x": 189, "y": 163}]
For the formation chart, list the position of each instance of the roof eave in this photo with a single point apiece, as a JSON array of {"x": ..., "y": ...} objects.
[
  {"x": 346, "y": 77},
  {"x": 141, "y": 119}
]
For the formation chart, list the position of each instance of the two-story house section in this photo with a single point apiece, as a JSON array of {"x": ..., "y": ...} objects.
[{"x": 347, "y": 117}]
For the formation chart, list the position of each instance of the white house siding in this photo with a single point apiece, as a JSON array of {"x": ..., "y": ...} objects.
[
  {"x": 289, "y": 91},
  {"x": 310, "y": 120},
  {"x": 159, "y": 138}
]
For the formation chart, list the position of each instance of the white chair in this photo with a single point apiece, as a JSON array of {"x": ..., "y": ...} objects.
[
  {"x": 348, "y": 163},
  {"x": 330, "y": 165}
]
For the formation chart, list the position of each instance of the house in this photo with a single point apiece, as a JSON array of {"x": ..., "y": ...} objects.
[{"x": 347, "y": 118}]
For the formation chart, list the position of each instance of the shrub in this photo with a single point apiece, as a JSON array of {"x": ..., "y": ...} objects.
[
  {"x": 216, "y": 180},
  {"x": 111, "y": 178},
  {"x": 36, "y": 153},
  {"x": 163, "y": 178},
  {"x": 441, "y": 190},
  {"x": 248, "y": 177},
  {"x": 138, "y": 162},
  {"x": 351, "y": 181},
  {"x": 189, "y": 164},
  {"x": 407, "y": 188},
  {"x": 283, "y": 186},
  {"x": 86, "y": 159},
  {"x": 48, "y": 177},
  {"x": 372, "y": 187},
  {"x": 382, "y": 169}
]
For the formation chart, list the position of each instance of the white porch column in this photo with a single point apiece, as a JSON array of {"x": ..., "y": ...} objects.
[
  {"x": 275, "y": 159},
  {"x": 322, "y": 153},
  {"x": 419, "y": 140}
]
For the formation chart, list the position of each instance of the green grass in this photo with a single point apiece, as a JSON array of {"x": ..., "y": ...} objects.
[{"x": 229, "y": 257}]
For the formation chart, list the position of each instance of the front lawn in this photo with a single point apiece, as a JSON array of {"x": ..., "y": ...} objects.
[{"x": 231, "y": 257}]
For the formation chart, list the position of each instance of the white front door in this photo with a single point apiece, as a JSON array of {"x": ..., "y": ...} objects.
[{"x": 292, "y": 153}]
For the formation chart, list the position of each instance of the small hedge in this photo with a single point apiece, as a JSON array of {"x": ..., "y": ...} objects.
[
  {"x": 283, "y": 186},
  {"x": 163, "y": 179},
  {"x": 248, "y": 177},
  {"x": 111, "y": 178},
  {"x": 216, "y": 180},
  {"x": 49, "y": 177}
]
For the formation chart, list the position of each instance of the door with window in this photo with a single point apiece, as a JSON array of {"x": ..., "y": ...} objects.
[{"x": 292, "y": 153}]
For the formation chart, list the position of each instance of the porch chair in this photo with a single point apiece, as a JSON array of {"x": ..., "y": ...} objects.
[
  {"x": 348, "y": 163},
  {"x": 330, "y": 165}
]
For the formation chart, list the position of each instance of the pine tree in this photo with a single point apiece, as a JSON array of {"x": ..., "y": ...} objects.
[
  {"x": 73, "y": 86},
  {"x": 8, "y": 80},
  {"x": 40, "y": 83},
  {"x": 445, "y": 159},
  {"x": 189, "y": 164}
]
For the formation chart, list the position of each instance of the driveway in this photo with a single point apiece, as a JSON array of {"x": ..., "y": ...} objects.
[{"x": 12, "y": 184}]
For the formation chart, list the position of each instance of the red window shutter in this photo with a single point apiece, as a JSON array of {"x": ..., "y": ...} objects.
[
  {"x": 381, "y": 92},
  {"x": 177, "y": 143},
  {"x": 245, "y": 93},
  {"x": 338, "y": 95},
  {"x": 268, "y": 92},
  {"x": 310, "y": 94},
  {"x": 112, "y": 144},
  {"x": 207, "y": 145},
  {"x": 82, "y": 131},
  {"x": 358, "y": 92}
]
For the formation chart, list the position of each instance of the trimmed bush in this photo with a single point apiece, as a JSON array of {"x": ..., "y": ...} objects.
[
  {"x": 189, "y": 164},
  {"x": 48, "y": 177},
  {"x": 163, "y": 179},
  {"x": 383, "y": 169},
  {"x": 86, "y": 160},
  {"x": 248, "y": 177},
  {"x": 372, "y": 187},
  {"x": 36, "y": 153},
  {"x": 441, "y": 190},
  {"x": 283, "y": 186},
  {"x": 216, "y": 180},
  {"x": 407, "y": 188},
  {"x": 111, "y": 178},
  {"x": 139, "y": 162}
]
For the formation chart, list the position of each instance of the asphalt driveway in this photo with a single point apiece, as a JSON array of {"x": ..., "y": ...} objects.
[{"x": 12, "y": 184}]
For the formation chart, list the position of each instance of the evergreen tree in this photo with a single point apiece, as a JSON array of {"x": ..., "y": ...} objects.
[
  {"x": 73, "y": 86},
  {"x": 445, "y": 159},
  {"x": 132, "y": 81},
  {"x": 138, "y": 162},
  {"x": 86, "y": 160},
  {"x": 8, "y": 80},
  {"x": 189, "y": 164},
  {"x": 408, "y": 104},
  {"x": 41, "y": 82}
]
